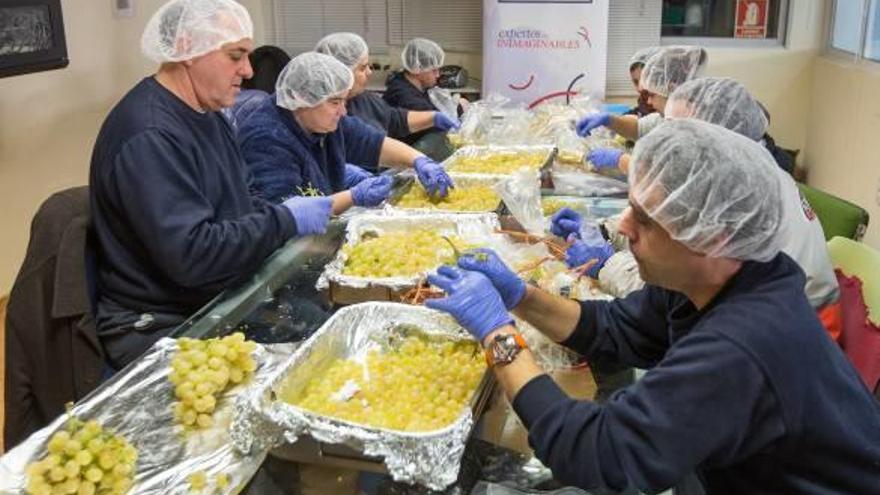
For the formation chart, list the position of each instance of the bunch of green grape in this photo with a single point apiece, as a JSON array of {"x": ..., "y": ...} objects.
[
  {"x": 421, "y": 385},
  {"x": 498, "y": 163},
  {"x": 201, "y": 370},
  {"x": 83, "y": 459},
  {"x": 550, "y": 205},
  {"x": 461, "y": 198},
  {"x": 400, "y": 254}
]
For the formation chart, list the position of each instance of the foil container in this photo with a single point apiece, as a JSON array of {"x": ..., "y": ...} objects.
[
  {"x": 477, "y": 228},
  {"x": 407, "y": 180},
  {"x": 548, "y": 151},
  {"x": 428, "y": 458},
  {"x": 592, "y": 208},
  {"x": 137, "y": 404}
]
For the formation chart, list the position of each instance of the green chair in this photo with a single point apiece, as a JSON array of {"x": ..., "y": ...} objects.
[{"x": 837, "y": 216}]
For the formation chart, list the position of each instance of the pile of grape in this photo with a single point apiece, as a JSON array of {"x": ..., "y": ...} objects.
[
  {"x": 400, "y": 254},
  {"x": 498, "y": 163},
  {"x": 461, "y": 198},
  {"x": 550, "y": 205},
  {"x": 202, "y": 369},
  {"x": 420, "y": 385},
  {"x": 85, "y": 459}
]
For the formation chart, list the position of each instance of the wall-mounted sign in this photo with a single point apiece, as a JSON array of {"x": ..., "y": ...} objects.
[
  {"x": 751, "y": 18},
  {"x": 542, "y": 50}
]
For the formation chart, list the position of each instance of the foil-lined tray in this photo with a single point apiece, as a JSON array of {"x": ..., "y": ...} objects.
[
  {"x": 548, "y": 152},
  {"x": 476, "y": 228},
  {"x": 430, "y": 458},
  {"x": 593, "y": 208},
  {"x": 407, "y": 180},
  {"x": 137, "y": 404}
]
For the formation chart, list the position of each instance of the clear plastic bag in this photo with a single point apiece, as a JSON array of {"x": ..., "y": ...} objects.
[
  {"x": 445, "y": 101},
  {"x": 587, "y": 184}
]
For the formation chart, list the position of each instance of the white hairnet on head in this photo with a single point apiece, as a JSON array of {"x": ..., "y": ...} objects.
[
  {"x": 311, "y": 78},
  {"x": 671, "y": 67},
  {"x": 713, "y": 190},
  {"x": 721, "y": 101},
  {"x": 185, "y": 29},
  {"x": 421, "y": 55},
  {"x": 642, "y": 56},
  {"x": 348, "y": 48}
]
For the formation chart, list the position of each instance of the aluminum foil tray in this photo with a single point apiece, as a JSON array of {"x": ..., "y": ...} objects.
[
  {"x": 594, "y": 208},
  {"x": 427, "y": 458},
  {"x": 406, "y": 180},
  {"x": 478, "y": 228},
  {"x": 137, "y": 403},
  {"x": 473, "y": 151}
]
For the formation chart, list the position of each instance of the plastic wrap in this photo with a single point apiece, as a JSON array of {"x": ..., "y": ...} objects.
[
  {"x": 428, "y": 458},
  {"x": 586, "y": 184},
  {"x": 595, "y": 208},
  {"x": 137, "y": 404},
  {"x": 522, "y": 195},
  {"x": 445, "y": 101}
]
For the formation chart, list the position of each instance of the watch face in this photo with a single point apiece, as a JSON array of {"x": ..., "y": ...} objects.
[{"x": 505, "y": 349}]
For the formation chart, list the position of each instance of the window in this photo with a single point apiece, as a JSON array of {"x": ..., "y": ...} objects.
[
  {"x": 855, "y": 28},
  {"x": 296, "y": 25},
  {"x": 735, "y": 19}
]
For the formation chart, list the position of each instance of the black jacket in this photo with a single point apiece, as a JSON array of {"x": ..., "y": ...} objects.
[{"x": 52, "y": 350}]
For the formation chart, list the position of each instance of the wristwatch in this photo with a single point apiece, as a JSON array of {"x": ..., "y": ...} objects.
[{"x": 504, "y": 348}]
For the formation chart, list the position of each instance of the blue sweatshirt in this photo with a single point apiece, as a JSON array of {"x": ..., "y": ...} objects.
[
  {"x": 285, "y": 159},
  {"x": 749, "y": 391},
  {"x": 173, "y": 219}
]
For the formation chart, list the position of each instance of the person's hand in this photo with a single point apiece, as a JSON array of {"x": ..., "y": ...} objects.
[
  {"x": 605, "y": 157},
  {"x": 433, "y": 177},
  {"x": 354, "y": 174},
  {"x": 310, "y": 213},
  {"x": 586, "y": 125},
  {"x": 582, "y": 251},
  {"x": 565, "y": 222},
  {"x": 506, "y": 282},
  {"x": 471, "y": 299},
  {"x": 372, "y": 191},
  {"x": 444, "y": 123}
]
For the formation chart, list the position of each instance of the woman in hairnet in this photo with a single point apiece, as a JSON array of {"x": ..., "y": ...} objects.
[
  {"x": 727, "y": 103},
  {"x": 422, "y": 59},
  {"x": 299, "y": 141},
  {"x": 398, "y": 123},
  {"x": 663, "y": 72}
]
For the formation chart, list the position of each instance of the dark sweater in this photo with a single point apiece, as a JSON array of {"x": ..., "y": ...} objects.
[
  {"x": 750, "y": 392},
  {"x": 173, "y": 218},
  {"x": 284, "y": 158},
  {"x": 401, "y": 93},
  {"x": 372, "y": 109}
]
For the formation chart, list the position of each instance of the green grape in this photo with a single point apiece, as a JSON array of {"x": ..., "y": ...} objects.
[
  {"x": 201, "y": 370},
  {"x": 502, "y": 162},
  {"x": 461, "y": 198},
  {"x": 395, "y": 254}
]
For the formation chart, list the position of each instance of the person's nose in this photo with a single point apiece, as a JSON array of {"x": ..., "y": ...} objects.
[{"x": 247, "y": 71}]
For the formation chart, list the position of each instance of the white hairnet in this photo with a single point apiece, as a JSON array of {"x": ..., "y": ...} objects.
[
  {"x": 713, "y": 190},
  {"x": 671, "y": 67},
  {"x": 348, "y": 48},
  {"x": 311, "y": 78},
  {"x": 185, "y": 29},
  {"x": 421, "y": 55},
  {"x": 721, "y": 101},
  {"x": 642, "y": 56}
]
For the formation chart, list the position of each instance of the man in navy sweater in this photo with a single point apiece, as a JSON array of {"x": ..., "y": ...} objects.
[
  {"x": 173, "y": 218},
  {"x": 743, "y": 386}
]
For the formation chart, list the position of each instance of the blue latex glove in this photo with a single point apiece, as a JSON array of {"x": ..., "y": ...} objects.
[
  {"x": 582, "y": 251},
  {"x": 565, "y": 222},
  {"x": 605, "y": 157},
  {"x": 506, "y": 282},
  {"x": 444, "y": 123},
  {"x": 586, "y": 125},
  {"x": 471, "y": 299},
  {"x": 372, "y": 191},
  {"x": 354, "y": 174},
  {"x": 433, "y": 177},
  {"x": 310, "y": 213}
]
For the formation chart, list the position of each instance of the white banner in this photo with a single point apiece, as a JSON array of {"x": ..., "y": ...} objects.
[{"x": 536, "y": 51}]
